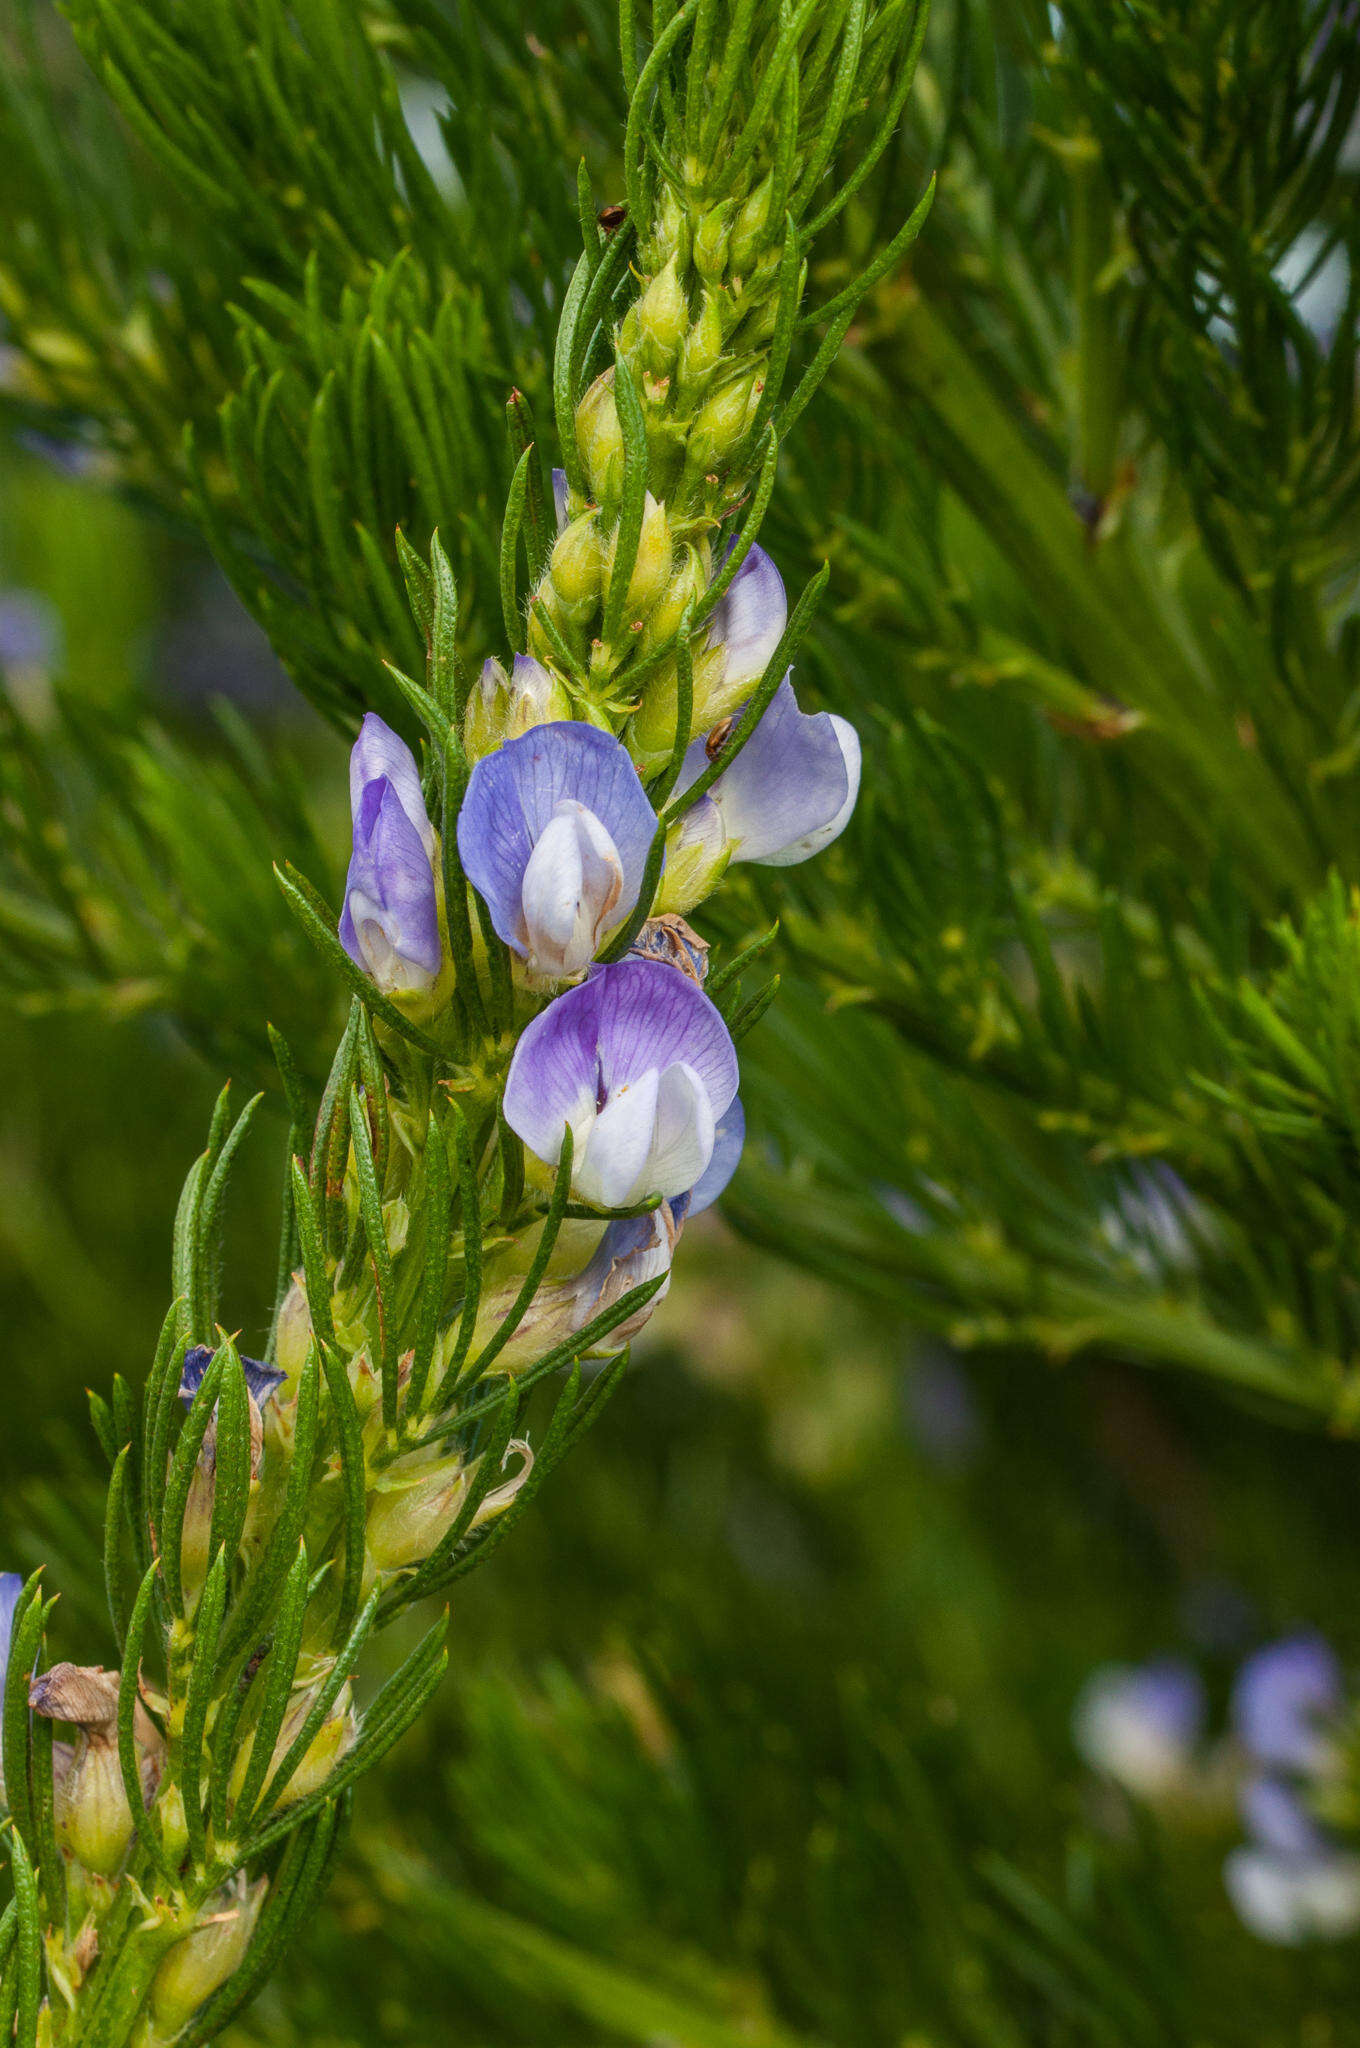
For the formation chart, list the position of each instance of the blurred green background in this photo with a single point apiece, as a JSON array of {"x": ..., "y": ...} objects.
[{"x": 760, "y": 1731}]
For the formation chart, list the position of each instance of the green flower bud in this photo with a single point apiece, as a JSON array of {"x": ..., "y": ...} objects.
[
  {"x": 688, "y": 580},
  {"x": 697, "y": 853},
  {"x": 652, "y": 568},
  {"x": 500, "y": 707},
  {"x": 670, "y": 230},
  {"x": 333, "y": 1741},
  {"x": 748, "y": 230},
  {"x": 203, "y": 1961},
  {"x": 651, "y": 736},
  {"x": 710, "y": 242},
  {"x": 90, "y": 1806},
  {"x": 663, "y": 318},
  {"x": 600, "y": 439},
  {"x": 722, "y": 423},
  {"x": 576, "y": 568},
  {"x": 701, "y": 349},
  {"x": 417, "y": 1500}
]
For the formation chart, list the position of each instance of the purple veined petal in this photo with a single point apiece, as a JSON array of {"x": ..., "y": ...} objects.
[
  {"x": 1276, "y": 1818},
  {"x": 749, "y": 619},
  {"x": 514, "y": 795},
  {"x": 560, "y": 497},
  {"x": 790, "y": 790},
  {"x": 1139, "y": 1723},
  {"x": 613, "y": 1037},
  {"x": 1283, "y": 1699},
  {"x": 728, "y": 1138},
  {"x": 390, "y": 923},
  {"x": 378, "y": 756},
  {"x": 570, "y": 891},
  {"x": 1289, "y": 1900},
  {"x": 261, "y": 1380}
]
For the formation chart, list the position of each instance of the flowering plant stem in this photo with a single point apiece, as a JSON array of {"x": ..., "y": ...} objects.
[{"x": 531, "y": 1094}]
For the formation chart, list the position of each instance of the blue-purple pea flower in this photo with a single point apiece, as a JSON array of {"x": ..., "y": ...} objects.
[
  {"x": 1140, "y": 1723},
  {"x": 554, "y": 832},
  {"x": 631, "y": 1251},
  {"x": 390, "y": 923},
  {"x": 1284, "y": 1701},
  {"x": 261, "y": 1380},
  {"x": 788, "y": 793},
  {"x": 637, "y": 1062}
]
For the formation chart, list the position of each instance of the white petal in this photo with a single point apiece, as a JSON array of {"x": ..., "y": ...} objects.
[
  {"x": 570, "y": 892},
  {"x": 1289, "y": 1900},
  {"x": 619, "y": 1144},
  {"x": 682, "y": 1142}
]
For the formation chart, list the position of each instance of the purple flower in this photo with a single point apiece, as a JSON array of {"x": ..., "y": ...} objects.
[
  {"x": 390, "y": 923},
  {"x": 261, "y": 1380},
  {"x": 788, "y": 793},
  {"x": 639, "y": 1064},
  {"x": 1283, "y": 1699},
  {"x": 632, "y": 1250},
  {"x": 30, "y": 631},
  {"x": 554, "y": 833},
  {"x": 1139, "y": 1723}
]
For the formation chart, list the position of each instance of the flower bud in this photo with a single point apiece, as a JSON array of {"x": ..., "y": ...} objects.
[
  {"x": 417, "y": 1501},
  {"x": 203, "y": 1961},
  {"x": 333, "y": 1741},
  {"x": 697, "y": 853},
  {"x": 663, "y": 317},
  {"x": 722, "y": 423},
  {"x": 575, "y": 568},
  {"x": 701, "y": 349},
  {"x": 91, "y": 1814},
  {"x": 670, "y": 230},
  {"x": 688, "y": 581},
  {"x": 652, "y": 568},
  {"x": 292, "y": 1335},
  {"x": 710, "y": 242},
  {"x": 748, "y": 230},
  {"x": 501, "y": 707},
  {"x": 651, "y": 735},
  {"x": 600, "y": 439}
]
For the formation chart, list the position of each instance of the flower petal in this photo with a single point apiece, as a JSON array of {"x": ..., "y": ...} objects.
[
  {"x": 791, "y": 788},
  {"x": 560, "y": 496},
  {"x": 618, "y": 1144},
  {"x": 390, "y": 923},
  {"x": 749, "y": 619},
  {"x": 728, "y": 1138},
  {"x": 261, "y": 1380},
  {"x": 1290, "y": 1899},
  {"x": 682, "y": 1140},
  {"x": 626, "y": 1022},
  {"x": 381, "y": 755},
  {"x": 1276, "y": 1818},
  {"x": 513, "y": 795},
  {"x": 1283, "y": 1697},
  {"x": 570, "y": 891},
  {"x": 1138, "y": 1723}
]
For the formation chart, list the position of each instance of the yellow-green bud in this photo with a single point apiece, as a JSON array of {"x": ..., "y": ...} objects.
[
  {"x": 600, "y": 439},
  {"x": 722, "y": 423},
  {"x": 701, "y": 349},
  {"x": 333, "y": 1741},
  {"x": 710, "y": 242},
  {"x": 416, "y": 1502},
  {"x": 663, "y": 317},
  {"x": 90, "y": 1808},
  {"x": 670, "y": 230},
  {"x": 652, "y": 568},
  {"x": 576, "y": 568},
  {"x": 688, "y": 580},
  {"x": 500, "y": 707},
  {"x": 651, "y": 735},
  {"x": 748, "y": 230},
  {"x": 697, "y": 853},
  {"x": 203, "y": 1961}
]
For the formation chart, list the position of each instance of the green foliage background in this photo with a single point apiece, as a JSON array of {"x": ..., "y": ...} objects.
[{"x": 759, "y": 1731}]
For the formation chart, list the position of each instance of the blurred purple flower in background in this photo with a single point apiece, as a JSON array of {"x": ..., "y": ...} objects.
[
  {"x": 1140, "y": 1724},
  {"x": 1284, "y": 1698}
]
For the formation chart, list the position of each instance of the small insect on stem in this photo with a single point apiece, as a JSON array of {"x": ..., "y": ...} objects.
[{"x": 612, "y": 217}]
